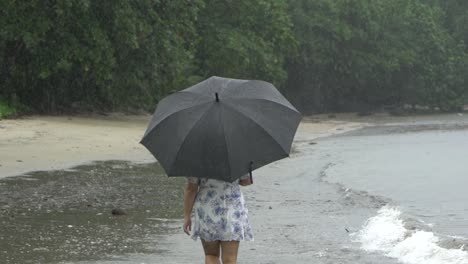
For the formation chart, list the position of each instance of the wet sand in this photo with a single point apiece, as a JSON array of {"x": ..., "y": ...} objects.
[
  {"x": 66, "y": 215},
  {"x": 54, "y": 212}
]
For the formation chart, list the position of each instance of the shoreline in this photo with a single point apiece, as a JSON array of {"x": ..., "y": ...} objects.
[{"x": 43, "y": 143}]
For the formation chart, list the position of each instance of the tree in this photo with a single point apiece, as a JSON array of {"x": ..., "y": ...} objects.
[
  {"x": 362, "y": 54},
  {"x": 56, "y": 54},
  {"x": 246, "y": 39}
]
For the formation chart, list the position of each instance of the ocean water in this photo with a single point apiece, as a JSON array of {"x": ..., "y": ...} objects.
[
  {"x": 422, "y": 174},
  {"x": 380, "y": 195}
]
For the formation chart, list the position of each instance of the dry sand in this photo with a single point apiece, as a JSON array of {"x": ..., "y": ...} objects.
[{"x": 48, "y": 143}]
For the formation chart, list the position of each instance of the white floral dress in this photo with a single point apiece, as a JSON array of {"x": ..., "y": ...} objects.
[{"x": 220, "y": 212}]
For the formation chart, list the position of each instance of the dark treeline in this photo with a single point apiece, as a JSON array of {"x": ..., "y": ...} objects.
[{"x": 325, "y": 55}]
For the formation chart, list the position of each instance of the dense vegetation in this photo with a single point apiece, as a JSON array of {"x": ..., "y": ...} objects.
[{"x": 325, "y": 55}]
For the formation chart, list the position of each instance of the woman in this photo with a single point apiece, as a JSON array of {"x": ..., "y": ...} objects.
[{"x": 220, "y": 217}]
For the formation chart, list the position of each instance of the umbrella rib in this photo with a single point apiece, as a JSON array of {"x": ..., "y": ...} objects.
[
  {"x": 226, "y": 144},
  {"x": 255, "y": 122},
  {"x": 150, "y": 130}
]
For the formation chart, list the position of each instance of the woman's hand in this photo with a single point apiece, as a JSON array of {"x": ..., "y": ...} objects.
[
  {"x": 245, "y": 182},
  {"x": 187, "y": 225}
]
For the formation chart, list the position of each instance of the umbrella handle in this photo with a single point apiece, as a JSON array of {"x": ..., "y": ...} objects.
[{"x": 250, "y": 172}]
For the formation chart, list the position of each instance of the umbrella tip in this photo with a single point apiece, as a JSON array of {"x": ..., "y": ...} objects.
[{"x": 217, "y": 98}]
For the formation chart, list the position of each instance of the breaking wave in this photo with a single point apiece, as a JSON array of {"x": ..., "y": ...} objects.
[{"x": 387, "y": 232}]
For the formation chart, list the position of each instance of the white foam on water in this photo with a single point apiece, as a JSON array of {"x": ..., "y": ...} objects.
[{"x": 386, "y": 233}]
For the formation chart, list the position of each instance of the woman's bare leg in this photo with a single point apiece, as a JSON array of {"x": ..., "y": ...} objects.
[
  {"x": 229, "y": 251},
  {"x": 211, "y": 249}
]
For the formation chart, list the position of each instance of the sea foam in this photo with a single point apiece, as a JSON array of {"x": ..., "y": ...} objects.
[{"x": 386, "y": 233}]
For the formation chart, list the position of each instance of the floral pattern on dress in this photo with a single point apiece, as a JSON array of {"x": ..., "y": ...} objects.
[{"x": 220, "y": 212}]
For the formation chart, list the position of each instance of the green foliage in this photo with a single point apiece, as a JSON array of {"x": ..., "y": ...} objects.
[
  {"x": 246, "y": 39},
  {"x": 6, "y": 110},
  {"x": 62, "y": 55},
  {"x": 106, "y": 54},
  {"x": 360, "y": 54}
]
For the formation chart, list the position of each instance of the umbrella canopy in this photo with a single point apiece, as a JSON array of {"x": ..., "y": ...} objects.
[{"x": 221, "y": 128}]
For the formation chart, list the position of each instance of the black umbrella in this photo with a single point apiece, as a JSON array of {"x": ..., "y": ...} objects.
[{"x": 221, "y": 128}]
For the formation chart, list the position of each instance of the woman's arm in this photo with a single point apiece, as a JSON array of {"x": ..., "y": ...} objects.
[
  {"x": 245, "y": 180},
  {"x": 191, "y": 191}
]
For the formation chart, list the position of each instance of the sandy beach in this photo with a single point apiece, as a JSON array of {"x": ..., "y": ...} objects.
[
  {"x": 313, "y": 207},
  {"x": 38, "y": 143},
  {"x": 47, "y": 143},
  {"x": 55, "y": 200}
]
